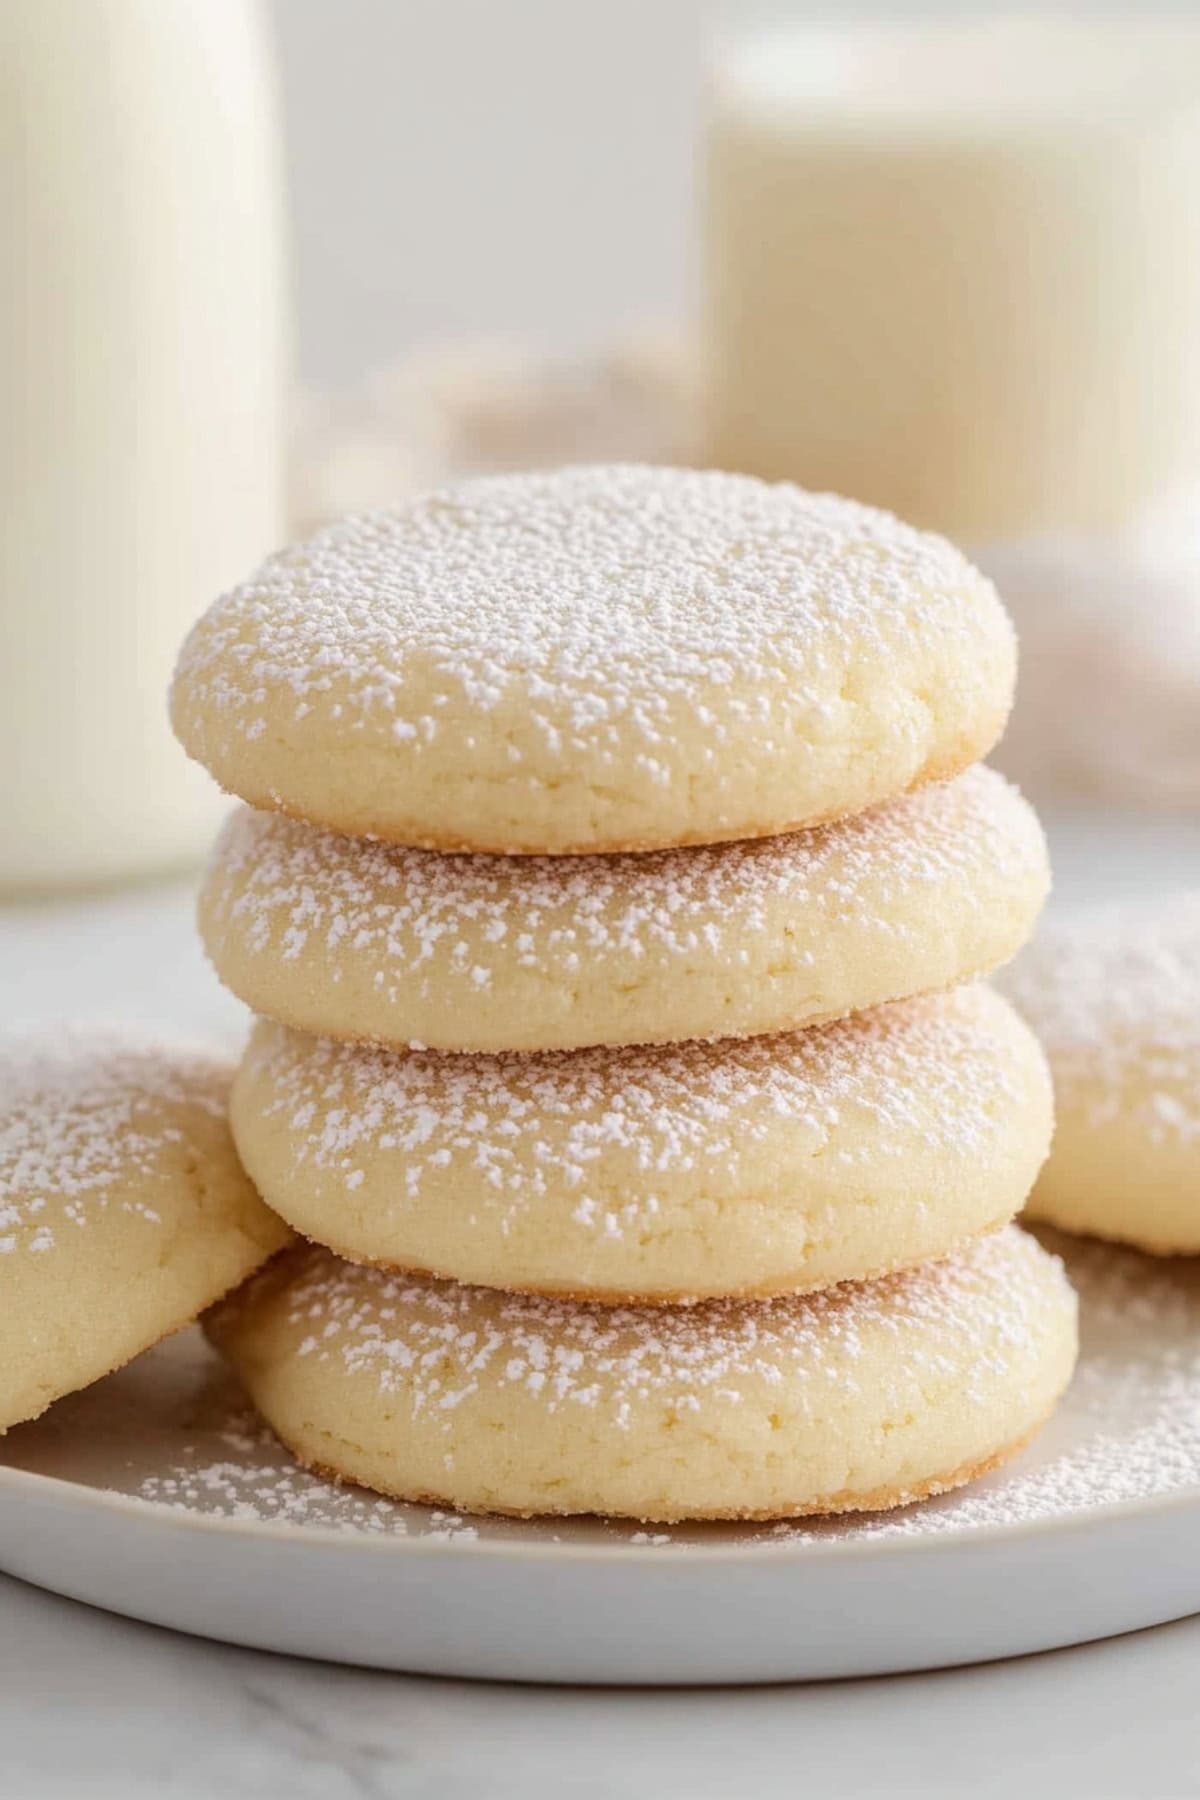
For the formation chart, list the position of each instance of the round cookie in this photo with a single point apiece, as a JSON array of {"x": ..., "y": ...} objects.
[
  {"x": 1115, "y": 998},
  {"x": 747, "y": 1166},
  {"x": 597, "y": 659},
  {"x": 859, "y": 1397},
  {"x": 124, "y": 1211},
  {"x": 366, "y": 941}
]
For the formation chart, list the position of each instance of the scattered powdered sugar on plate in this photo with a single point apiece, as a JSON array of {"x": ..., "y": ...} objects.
[
  {"x": 255, "y": 1479},
  {"x": 81, "y": 1120},
  {"x": 1114, "y": 995},
  {"x": 943, "y": 1071},
  {"x": 602, "y": 602},
  {"x": 279, "y": 888}
]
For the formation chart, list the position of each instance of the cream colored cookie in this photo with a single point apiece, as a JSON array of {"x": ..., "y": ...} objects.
[
  {"x": 124, "y": 1211},
  {"x": 1115, "y": 998},
  {"x": 356, "y": 940},
  {"x": 747, "y": 1166},
  {"x": 597, "y": 659},
  {"x": 862, "y": 1396}
]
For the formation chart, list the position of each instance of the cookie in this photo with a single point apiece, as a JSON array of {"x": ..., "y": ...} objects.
[
  {"x": 863, "y": 1396},
  {"x": 1115, "y": 998},
  {"x": 124, "y": 1211},
  {"x": 748, "y": 1166},
  {"x": 365, "y": 941},
  {"x": 597, "y": 659}
]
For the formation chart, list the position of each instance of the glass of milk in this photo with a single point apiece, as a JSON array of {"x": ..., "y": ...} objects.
[
  {"x": 954, "y": 267},
  {"x": 142, "y": 370}
]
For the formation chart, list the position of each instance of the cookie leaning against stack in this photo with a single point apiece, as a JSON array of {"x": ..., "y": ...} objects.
[
  {"x": 124, "y": 1210},
  {"x": 547, "y": 1037}
]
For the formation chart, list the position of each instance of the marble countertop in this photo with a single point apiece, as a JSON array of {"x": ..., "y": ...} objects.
[
  {"x": 93, "y": 1706},
  {"x": 96, "y": 1706}
]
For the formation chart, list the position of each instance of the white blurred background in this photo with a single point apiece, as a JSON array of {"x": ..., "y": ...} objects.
[
  {"x": 487, "y": 166},
  {"x": 520, "y": 167}
]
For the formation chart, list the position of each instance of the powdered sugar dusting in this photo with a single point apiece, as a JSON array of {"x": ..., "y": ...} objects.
[
  {"x": 81, "y": 1121},
  {"x": 429, "y": 1342},
  {"x": 282, "y": 887},
  {"x": 1114, "y": 996},
  {"x": 943, "y": 1072},
  {"x": 597, "y": 602}
]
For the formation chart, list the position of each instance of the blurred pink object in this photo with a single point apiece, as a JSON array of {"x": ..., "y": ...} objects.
[{"x": 1108, "y": 701}]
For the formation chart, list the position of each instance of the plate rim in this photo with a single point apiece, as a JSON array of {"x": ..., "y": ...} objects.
[{"x": 954, "y": 1538}]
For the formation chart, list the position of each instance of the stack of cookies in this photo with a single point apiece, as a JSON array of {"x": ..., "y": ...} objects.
[{"x": 614, "y": 862}]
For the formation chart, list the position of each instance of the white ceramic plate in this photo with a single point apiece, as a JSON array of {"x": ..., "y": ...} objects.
[{"x": 156, "y": 1494}]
